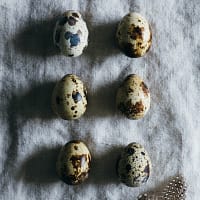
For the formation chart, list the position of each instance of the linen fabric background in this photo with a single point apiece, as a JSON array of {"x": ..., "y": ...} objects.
[{"x": 31, "y": 135}]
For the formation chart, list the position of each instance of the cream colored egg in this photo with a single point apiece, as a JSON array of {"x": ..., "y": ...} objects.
[
  {"x": 73, "y": 163},
  {"x": 69, "y": 99},
  {"x": 133, "y": 97},
  {"x": 71, "y": 34},
  {"x": 134, "y": 35},
  {"x": 134, "y": 165}
]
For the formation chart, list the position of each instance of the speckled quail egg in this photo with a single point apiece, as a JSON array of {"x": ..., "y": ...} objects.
[
  {"x": 134, "y": 35},
  {"x": 133, "y": 97},
  {"x": 69, "y": 99},
  {"x": 73, "y": 164},
  {"x": 71, "y": 34},
  {"x": 134, "y": 165}
]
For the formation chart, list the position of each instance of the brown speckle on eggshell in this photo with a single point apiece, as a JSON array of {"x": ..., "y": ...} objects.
[
  {"x": 68, "y": 98},
  {"x": 73, "y": 164},
  {"x": 134, "y": 165},
  {"x": 133, "y": 97},
  {"x": 134, "y": 35},
  {"x": 71, "y": 34}
]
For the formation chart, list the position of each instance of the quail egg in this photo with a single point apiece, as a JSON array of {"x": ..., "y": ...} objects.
[
  {"x": 134, "y": 165},
  {"x": 73, "y": 164},
  {"x": 134, "y": 35},
  {"x": 69, "y": 99},
  {"x": 133, "y": 97},
  {"x": 71, "y": 34}
]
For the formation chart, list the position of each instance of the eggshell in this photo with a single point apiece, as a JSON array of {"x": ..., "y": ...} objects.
[
  {"x": 71, "y": 34},
  {"x": 134, "y": 35},
  {"x": 73, "y": 164},
  {"x": 69, "y": 99},
  {"x": 133, "y": 97},
  {"x": 134, "y": 165}
]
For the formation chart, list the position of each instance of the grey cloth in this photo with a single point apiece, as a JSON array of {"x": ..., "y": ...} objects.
[{"x": 31, "y": 135}]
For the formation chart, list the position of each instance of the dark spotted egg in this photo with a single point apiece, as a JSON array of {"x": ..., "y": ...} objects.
[
  {"x": 134, "y": 35},
  {"x": 73, "y": 163},
  {"x": 134, "y": 165},
  {"x": 133, "y": 97},
  {"x": 69, "y": 99},
  {"x": 71, "y": 34}
]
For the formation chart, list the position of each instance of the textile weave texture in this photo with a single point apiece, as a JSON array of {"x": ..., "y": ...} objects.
[{"x": 31, "y": 135}]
